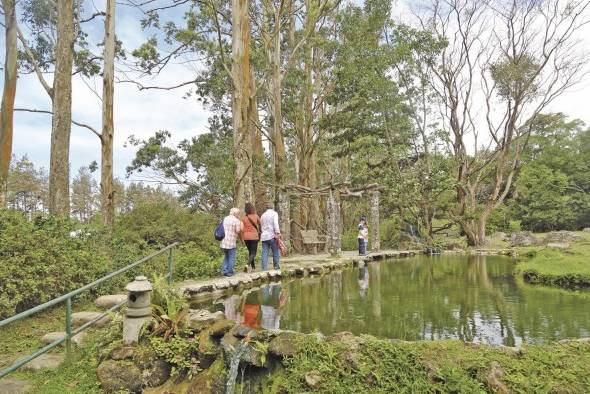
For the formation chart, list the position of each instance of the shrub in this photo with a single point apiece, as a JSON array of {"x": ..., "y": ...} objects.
[{"x": 41, "y": 260}]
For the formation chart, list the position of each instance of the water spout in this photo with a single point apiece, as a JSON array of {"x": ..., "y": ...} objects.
[{"x": 230, "y": 385}]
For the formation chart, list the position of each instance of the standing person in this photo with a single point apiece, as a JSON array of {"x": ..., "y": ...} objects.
[
  {"x": 232, "y": 227},
  {"x": 363, "y": 236},
  {"x": 251, "y": 234},
  {"x": 269, "y": 223}
]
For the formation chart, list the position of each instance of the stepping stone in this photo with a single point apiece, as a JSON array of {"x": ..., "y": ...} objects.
[
  {"x": 109, "y": 301},
  {"x": 54, "y": 336},
  {"x": 80, "y": 318},
  {"x": 14, "y": 386},
  {"x": 221, "y": 284},
  {"x": 44, "y": 361}
]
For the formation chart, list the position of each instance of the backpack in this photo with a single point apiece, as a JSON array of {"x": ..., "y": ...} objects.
[{"x": 219, "y": 232}]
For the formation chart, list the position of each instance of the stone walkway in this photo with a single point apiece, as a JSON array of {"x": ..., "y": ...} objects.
[{"x": 292, "y": 266}]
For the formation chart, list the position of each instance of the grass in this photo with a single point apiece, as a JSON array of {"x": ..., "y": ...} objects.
[
  {"x": 568, "y": 268},
  {"x": 76, "y": 375},
  {"x": 382, "y": 366}
]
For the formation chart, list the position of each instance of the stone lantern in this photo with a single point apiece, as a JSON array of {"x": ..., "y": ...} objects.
[
  {"x": 139, "y": 309},
  {"x": 139, "y": 297}
]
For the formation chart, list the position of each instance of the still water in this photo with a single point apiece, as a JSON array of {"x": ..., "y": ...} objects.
[{"x": 475, "y": 299}]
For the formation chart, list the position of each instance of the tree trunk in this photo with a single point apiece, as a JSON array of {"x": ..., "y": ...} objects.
[
  {"x": 61, "y": 125},
  {"x": 334, "y": 239},
  {"x": 108, "y": 127},
  {"x": 375, "y": 239},
  {"x": 243, "y": 187},
  {"x": 258, "y": 159},
  {"x": 8, "y": 94},
  {"x": 284, "y": 210}
]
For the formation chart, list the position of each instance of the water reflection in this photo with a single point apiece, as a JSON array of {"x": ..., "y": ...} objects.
[
  {"x": 475, "y": 299},
  {"x": 259, "y": 309}
]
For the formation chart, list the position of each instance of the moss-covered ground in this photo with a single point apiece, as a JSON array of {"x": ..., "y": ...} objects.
[
  {"x": 382, "y": 366},
  {"x": 568, "y": 268}
]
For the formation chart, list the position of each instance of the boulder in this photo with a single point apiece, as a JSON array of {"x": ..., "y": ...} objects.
[
  {"x": 45, "y": 362},
  {"x": 558, "y": 245},
  {"x": 211, "y": 380},
  {"x": 523, "y": 238},
  {"x": 241, "y": 331},
  {"x": 156, "y": 373},
  {"x": 81, "y": 318},
  {"x": 494, "y": 378},
  {"x": 55, "y": 336},
  {"x": 285, "y": 344},
  {"x": 109, "y": 301},
  {"x": 350, "y": 345},
  {"x": 199, "y": 318},
  {"x": 208, "y": 349},
  {"x": 220, "y": 327},
  {"x": 122, "y": 353},
  {"x": 313, "y": 379},
  {"x": 586, "y": 230},
  {"x": 561, "y": 237},
  {"x": 115, "y": 376},
  {"x": 500, "y": 236}
]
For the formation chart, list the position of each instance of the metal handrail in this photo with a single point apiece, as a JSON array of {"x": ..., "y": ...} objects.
[{"x": 68, "y": 300}]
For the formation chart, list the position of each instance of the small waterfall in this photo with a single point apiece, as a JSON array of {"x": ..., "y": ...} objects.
[{"x": 230, "y": 385}]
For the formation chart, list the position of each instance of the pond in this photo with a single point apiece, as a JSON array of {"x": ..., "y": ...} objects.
[{"x": 471, "y": 298}]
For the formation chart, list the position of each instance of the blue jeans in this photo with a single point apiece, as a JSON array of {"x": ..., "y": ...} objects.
[
  {"x": 362, "y": 247},
  {"x": 276, "y": 255},
  {"x": 229, "y": 260}
]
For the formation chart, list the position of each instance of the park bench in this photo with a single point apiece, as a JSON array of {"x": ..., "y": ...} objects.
[{"x": 311, "y": 237}]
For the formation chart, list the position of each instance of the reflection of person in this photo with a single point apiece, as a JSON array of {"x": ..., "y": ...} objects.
[
  {"x": 232, "y": 227},
  {"x": 363, "y": 236},
  {"x": 251, "y": 233},
  {"x": 232, "y": 308},
  {"x": 363, "y": 281},
  {"x": 273, "y": 299},
  {"x": 269, "y": 222}
]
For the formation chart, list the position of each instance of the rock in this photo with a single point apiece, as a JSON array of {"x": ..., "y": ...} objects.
[
  {"x": 201, "y": 317},
  {"x": 156, "y": 374},
  {"x": 115, "y": 376},
  {"x": 274, "y": 274},
  {"x": 523, "y": 238},
  {"x": 229, "y": 344},
  {"x": 122, "y": 353},
  {"x": 14, "y": 386},
  {"x": 44, "y": 361},
  {"x": 313, "y": 379},
  {"x": 558, "y": 245},
  {"x": 562, "y": 237},
  {"x": 500, "y": 235},
  {"x": 109, "y": 301},
  {"x": 285, "y": 344},
  {"x": 197, "y": 288},
  {"x": 241, "y": 331},
  {"x": 210, "y": 381},
  {"x": 220, "y": 327},
  {"x": 586, "y": 230},
  {"x": 221, "y": 284},
  {"x": 81, "y": 318},
  {"x": 351, "y": 347},
  {"x": 494, "y": 378},
  {"x": 55, "y": 336}
]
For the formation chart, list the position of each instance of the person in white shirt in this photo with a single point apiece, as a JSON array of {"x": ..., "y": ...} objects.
[
  {"x": 363, "y": 236},
  {"x": 232, "y": 227},
  {"x": 269, "y": 225}
]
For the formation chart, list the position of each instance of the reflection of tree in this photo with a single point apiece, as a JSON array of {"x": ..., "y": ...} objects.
[{"x": 473, "y": 299}]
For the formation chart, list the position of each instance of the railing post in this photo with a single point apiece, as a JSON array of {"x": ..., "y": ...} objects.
[
  {"x": 170, "y": 267},
  {"x": 68, "y": 326}
]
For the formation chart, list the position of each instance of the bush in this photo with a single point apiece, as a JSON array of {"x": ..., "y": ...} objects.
[{"x": 41, "y": 260}]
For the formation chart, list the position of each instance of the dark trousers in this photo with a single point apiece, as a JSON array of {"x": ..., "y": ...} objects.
[
  {"x": 252, "y": 248},
  {"x": 362, "y": 247}
]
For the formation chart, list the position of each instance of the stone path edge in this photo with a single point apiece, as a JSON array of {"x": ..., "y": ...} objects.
[{"x": 196, "y": 289}]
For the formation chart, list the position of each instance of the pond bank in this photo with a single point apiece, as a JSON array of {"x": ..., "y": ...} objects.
[
  {"x": 565, "y": 265},
  {"x": 290, "y": 362}
]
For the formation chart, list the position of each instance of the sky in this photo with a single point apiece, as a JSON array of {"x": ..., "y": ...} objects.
[{"x": 141, "y": 113}]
